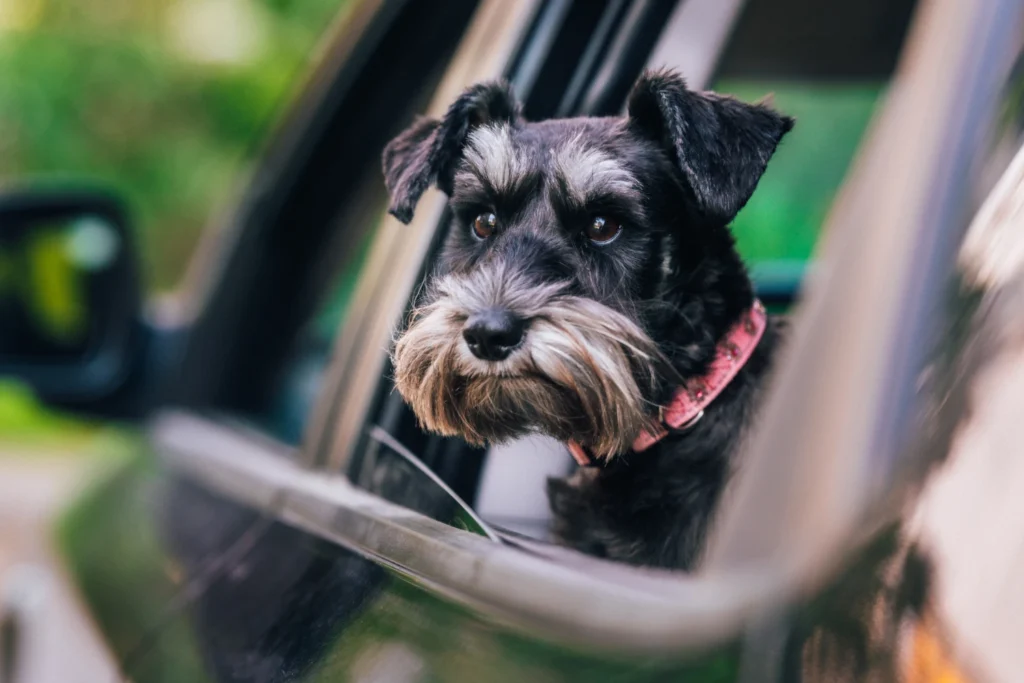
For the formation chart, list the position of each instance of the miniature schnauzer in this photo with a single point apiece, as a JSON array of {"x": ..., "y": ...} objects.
[{"x": 589, "y": 289}]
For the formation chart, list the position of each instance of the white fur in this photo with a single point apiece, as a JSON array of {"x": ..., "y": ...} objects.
[
  {"x": 588, "y": 170},
  {"x": 575, "y": 343},
  {"x": 491, "y": 154}
]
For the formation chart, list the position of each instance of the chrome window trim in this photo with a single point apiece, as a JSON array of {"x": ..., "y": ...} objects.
[{"x": 803, "y": 492}]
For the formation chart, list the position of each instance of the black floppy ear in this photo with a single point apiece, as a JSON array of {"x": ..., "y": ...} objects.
[
  {"x": 428, "y": 151},
  {"x": 720, "y": 145}
]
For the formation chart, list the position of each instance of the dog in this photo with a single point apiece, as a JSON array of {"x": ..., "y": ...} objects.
[{"x": 589, "y": 289}]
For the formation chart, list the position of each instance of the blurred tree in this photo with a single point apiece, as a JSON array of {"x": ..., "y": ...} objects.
[{"x": 165, "y": 101}]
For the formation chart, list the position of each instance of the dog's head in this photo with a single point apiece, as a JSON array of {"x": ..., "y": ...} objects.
[{"x": 587, "y": 268}]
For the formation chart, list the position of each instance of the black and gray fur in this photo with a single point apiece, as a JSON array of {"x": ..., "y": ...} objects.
[{"x": 582, "y": 340}]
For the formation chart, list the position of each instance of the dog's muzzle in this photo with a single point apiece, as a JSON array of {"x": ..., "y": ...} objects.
[{"x": 491, "y": 356}]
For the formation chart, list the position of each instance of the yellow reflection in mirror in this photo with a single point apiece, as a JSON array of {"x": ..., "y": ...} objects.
[{"x": 41, "y": 274}]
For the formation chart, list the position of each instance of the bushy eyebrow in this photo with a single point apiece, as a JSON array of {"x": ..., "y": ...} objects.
[
  {"x": 470, "y": 189},
  {"x": 491, "y": 155},
  {"x": 494, "y": 170},
  {"x": 570, "y": 211},
  {"x": 584, "y": 172}
]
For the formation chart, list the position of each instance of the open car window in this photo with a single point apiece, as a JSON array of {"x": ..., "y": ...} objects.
[
  {"x": 567, "y": 48},
  {"x": 861, "y": 95},
  {"x": 824, "y": 445},
  {"x": 828, "y": 67}
]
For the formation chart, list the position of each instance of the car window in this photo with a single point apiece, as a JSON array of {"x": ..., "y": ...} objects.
[
  {"x": 562, "y": 55},
  {"x": 827, "y": 67},
  {"x": 167, "y": 103}
]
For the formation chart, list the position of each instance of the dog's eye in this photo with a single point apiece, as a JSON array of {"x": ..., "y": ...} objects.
[
  {"x": 603, "y": 230},
  {"x": 484, "y": 225}
]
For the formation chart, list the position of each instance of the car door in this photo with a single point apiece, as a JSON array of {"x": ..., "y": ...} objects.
[{"x": 343, "y": 559}]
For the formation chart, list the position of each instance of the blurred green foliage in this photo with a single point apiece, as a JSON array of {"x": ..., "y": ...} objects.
[
  {"x": 147, "y": 97},
  {"x": 42, "y": 276}
]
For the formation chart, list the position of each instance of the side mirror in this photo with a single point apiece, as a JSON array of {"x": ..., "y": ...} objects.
[{"x": 69, "y": 295}]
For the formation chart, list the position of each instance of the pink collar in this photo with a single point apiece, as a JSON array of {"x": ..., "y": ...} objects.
[{"x": 690, "y": 400}]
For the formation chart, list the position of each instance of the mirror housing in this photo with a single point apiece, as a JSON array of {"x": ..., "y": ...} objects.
[{"x": 70, "y": 299}]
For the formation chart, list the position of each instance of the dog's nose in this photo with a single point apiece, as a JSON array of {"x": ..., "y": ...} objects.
[{"x": 493, "y": 334}]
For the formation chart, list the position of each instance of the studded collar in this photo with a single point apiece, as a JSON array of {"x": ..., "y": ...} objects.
[{"x": 689, "y": 400}]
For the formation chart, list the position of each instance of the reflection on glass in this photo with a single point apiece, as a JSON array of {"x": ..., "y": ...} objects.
[{"x": 400, "y": 477}]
